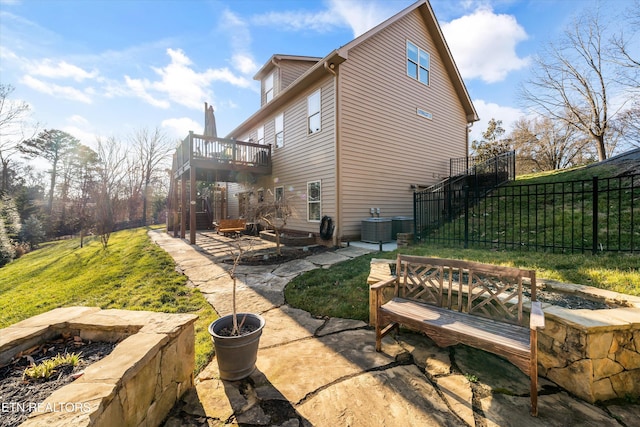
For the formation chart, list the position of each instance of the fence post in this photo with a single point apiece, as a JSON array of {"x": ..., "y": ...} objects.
[
  {"x": 594, "y": 209},
  {"x": 466, "y": 216}
]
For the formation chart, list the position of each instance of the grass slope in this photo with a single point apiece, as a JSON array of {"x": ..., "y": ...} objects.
[
  {"x": 342, "y": 290},
  {"x": 132, "y": 273}
]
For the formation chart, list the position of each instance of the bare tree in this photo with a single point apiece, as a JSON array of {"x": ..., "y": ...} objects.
[
  {"x": 273, "y": 210},
  {"x": 574, "y": 80},
  {"x": 622, "y": 52},
  {"x": 543, "y": 144},
  {"x": 152, "y": 150},
  {"x": 111, "y": 170},
  {"x": 13, "y": 122}
]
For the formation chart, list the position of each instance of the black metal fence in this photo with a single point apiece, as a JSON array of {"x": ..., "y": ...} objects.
[{"x": 597, "y": 215}]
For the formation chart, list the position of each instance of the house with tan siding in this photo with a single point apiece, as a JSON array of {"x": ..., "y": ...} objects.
[{"x": 361, "y": 127}]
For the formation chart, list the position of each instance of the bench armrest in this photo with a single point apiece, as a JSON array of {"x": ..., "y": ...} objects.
[
  {"x": 376, "y": 287},
  {"x": 537, "y": 315}
]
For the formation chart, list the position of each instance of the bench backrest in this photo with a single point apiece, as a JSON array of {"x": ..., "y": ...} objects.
[
  {"x": 232, "y": 223},
  {"x": 486, "y": 290}
]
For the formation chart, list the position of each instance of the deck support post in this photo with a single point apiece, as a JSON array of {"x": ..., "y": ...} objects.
[{"x": 192, "y": 205}]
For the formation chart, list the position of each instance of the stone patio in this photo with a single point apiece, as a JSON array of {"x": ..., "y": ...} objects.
[{"x": 325, "y": 372}]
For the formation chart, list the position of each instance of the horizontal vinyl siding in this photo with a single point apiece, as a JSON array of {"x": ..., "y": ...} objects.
[
  {"x": 304, "y": 158},
  {"x": 384, "y": 146},
  {"x": 291, "y": 70}
]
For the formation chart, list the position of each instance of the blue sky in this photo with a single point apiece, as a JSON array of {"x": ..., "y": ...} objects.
[{"x": 108, "y": 68}]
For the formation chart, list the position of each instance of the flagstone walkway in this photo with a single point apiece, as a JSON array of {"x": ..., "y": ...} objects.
[{"x": 325, "y": 371}]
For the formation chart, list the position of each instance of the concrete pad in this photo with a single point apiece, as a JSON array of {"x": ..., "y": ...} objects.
[
  {"x": 302, "y": 367},
  {"x": 399, "y": 396}
]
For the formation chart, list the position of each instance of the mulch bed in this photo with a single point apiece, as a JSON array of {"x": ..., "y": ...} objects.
[
  {"x": 288, "y": 253},
  {"x": 19, "y": 396},
  {"x": 570, "y": 301}
]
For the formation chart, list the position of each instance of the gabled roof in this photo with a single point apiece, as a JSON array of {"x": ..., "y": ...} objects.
[
  {"x": 279, "y": 57},
  {"x": 441, "y": 45},
  {"x": 341, "y": 54}
]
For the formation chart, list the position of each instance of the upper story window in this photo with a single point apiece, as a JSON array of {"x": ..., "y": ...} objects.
[
  {"x": 268, "y": 88},
  {"x": 313, "y": 112},
  {"x": 418, "y": 63},
  {"x": 261, "y": 135},
  {"x": 279, "y": 130}
]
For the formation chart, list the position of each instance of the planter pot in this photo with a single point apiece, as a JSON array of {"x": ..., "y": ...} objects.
[{"x": 236, "y": 355}]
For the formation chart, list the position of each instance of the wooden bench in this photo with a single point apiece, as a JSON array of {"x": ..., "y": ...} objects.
[
  {"x": 231, "y": 226},
  {"x": 458, "y": 302}
]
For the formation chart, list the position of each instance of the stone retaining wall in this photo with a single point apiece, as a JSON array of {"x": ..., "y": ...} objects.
[
  {"x": 594, "y": 354},
  {"x": 136, "y": 385}
]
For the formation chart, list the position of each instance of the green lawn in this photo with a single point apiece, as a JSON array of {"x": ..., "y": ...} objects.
[
  {"x": 133, "y": 274},
  {"x": 342, "y": 291}
]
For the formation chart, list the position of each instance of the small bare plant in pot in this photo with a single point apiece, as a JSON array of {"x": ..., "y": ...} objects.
[{"x": 236, "y": 336}]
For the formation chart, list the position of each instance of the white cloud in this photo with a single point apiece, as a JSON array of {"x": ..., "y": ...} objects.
[
  {"x": 78, "y": 119},
  {"x": 490, "y": 110},
  {"x": 180, "y": 127},
  {"x": 239, "y": 34},
  {"x": 180, "y": 83},
  {"x": 244, "y": 63},
  {"x": 138, "y": 87},
  {"x": 483, "y": 44},
  {"x": 66, "y": 92},
  {"x": 359, "y": 15},
  {"x": 61, "y": 70},
  {"x": 320, "y": 22},
  {"x": 85, "y": 137}
]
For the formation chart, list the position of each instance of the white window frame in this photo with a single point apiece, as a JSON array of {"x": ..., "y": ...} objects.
[
  {"x": 278, "y": 126},
  {"x": 314, "y": 201},
  {"x": 269, "y": 82},
  {"x": 314, "y": 112},
  {"x": 260, "y": 135},
  {"x": 420, "y": 64}
]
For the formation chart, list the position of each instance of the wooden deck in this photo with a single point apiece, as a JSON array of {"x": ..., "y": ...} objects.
[
  {"x": 219, "y": 159},
  {"x": 209, "y": 159}
]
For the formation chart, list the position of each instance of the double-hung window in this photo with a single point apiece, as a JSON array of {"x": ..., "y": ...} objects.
[
  {"x": 313, "y": 201},
  {"x": 313, "y": 112},
  {"x": 268, "y": 88},
  {"x": 418, "y": 63},
  {"x": 279, "y": 130}
]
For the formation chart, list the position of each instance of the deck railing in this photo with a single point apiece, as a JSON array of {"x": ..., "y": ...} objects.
[{"x": 200, "y": 148}]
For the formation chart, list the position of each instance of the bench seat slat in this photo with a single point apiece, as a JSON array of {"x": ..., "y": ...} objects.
[{"x": 469, "y": 328}]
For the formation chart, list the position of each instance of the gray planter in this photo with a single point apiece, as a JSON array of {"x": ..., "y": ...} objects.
[{"x": 236, "y": 355}]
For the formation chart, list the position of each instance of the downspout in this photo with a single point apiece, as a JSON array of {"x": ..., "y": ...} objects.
[{"x": 331, "y": 69}]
